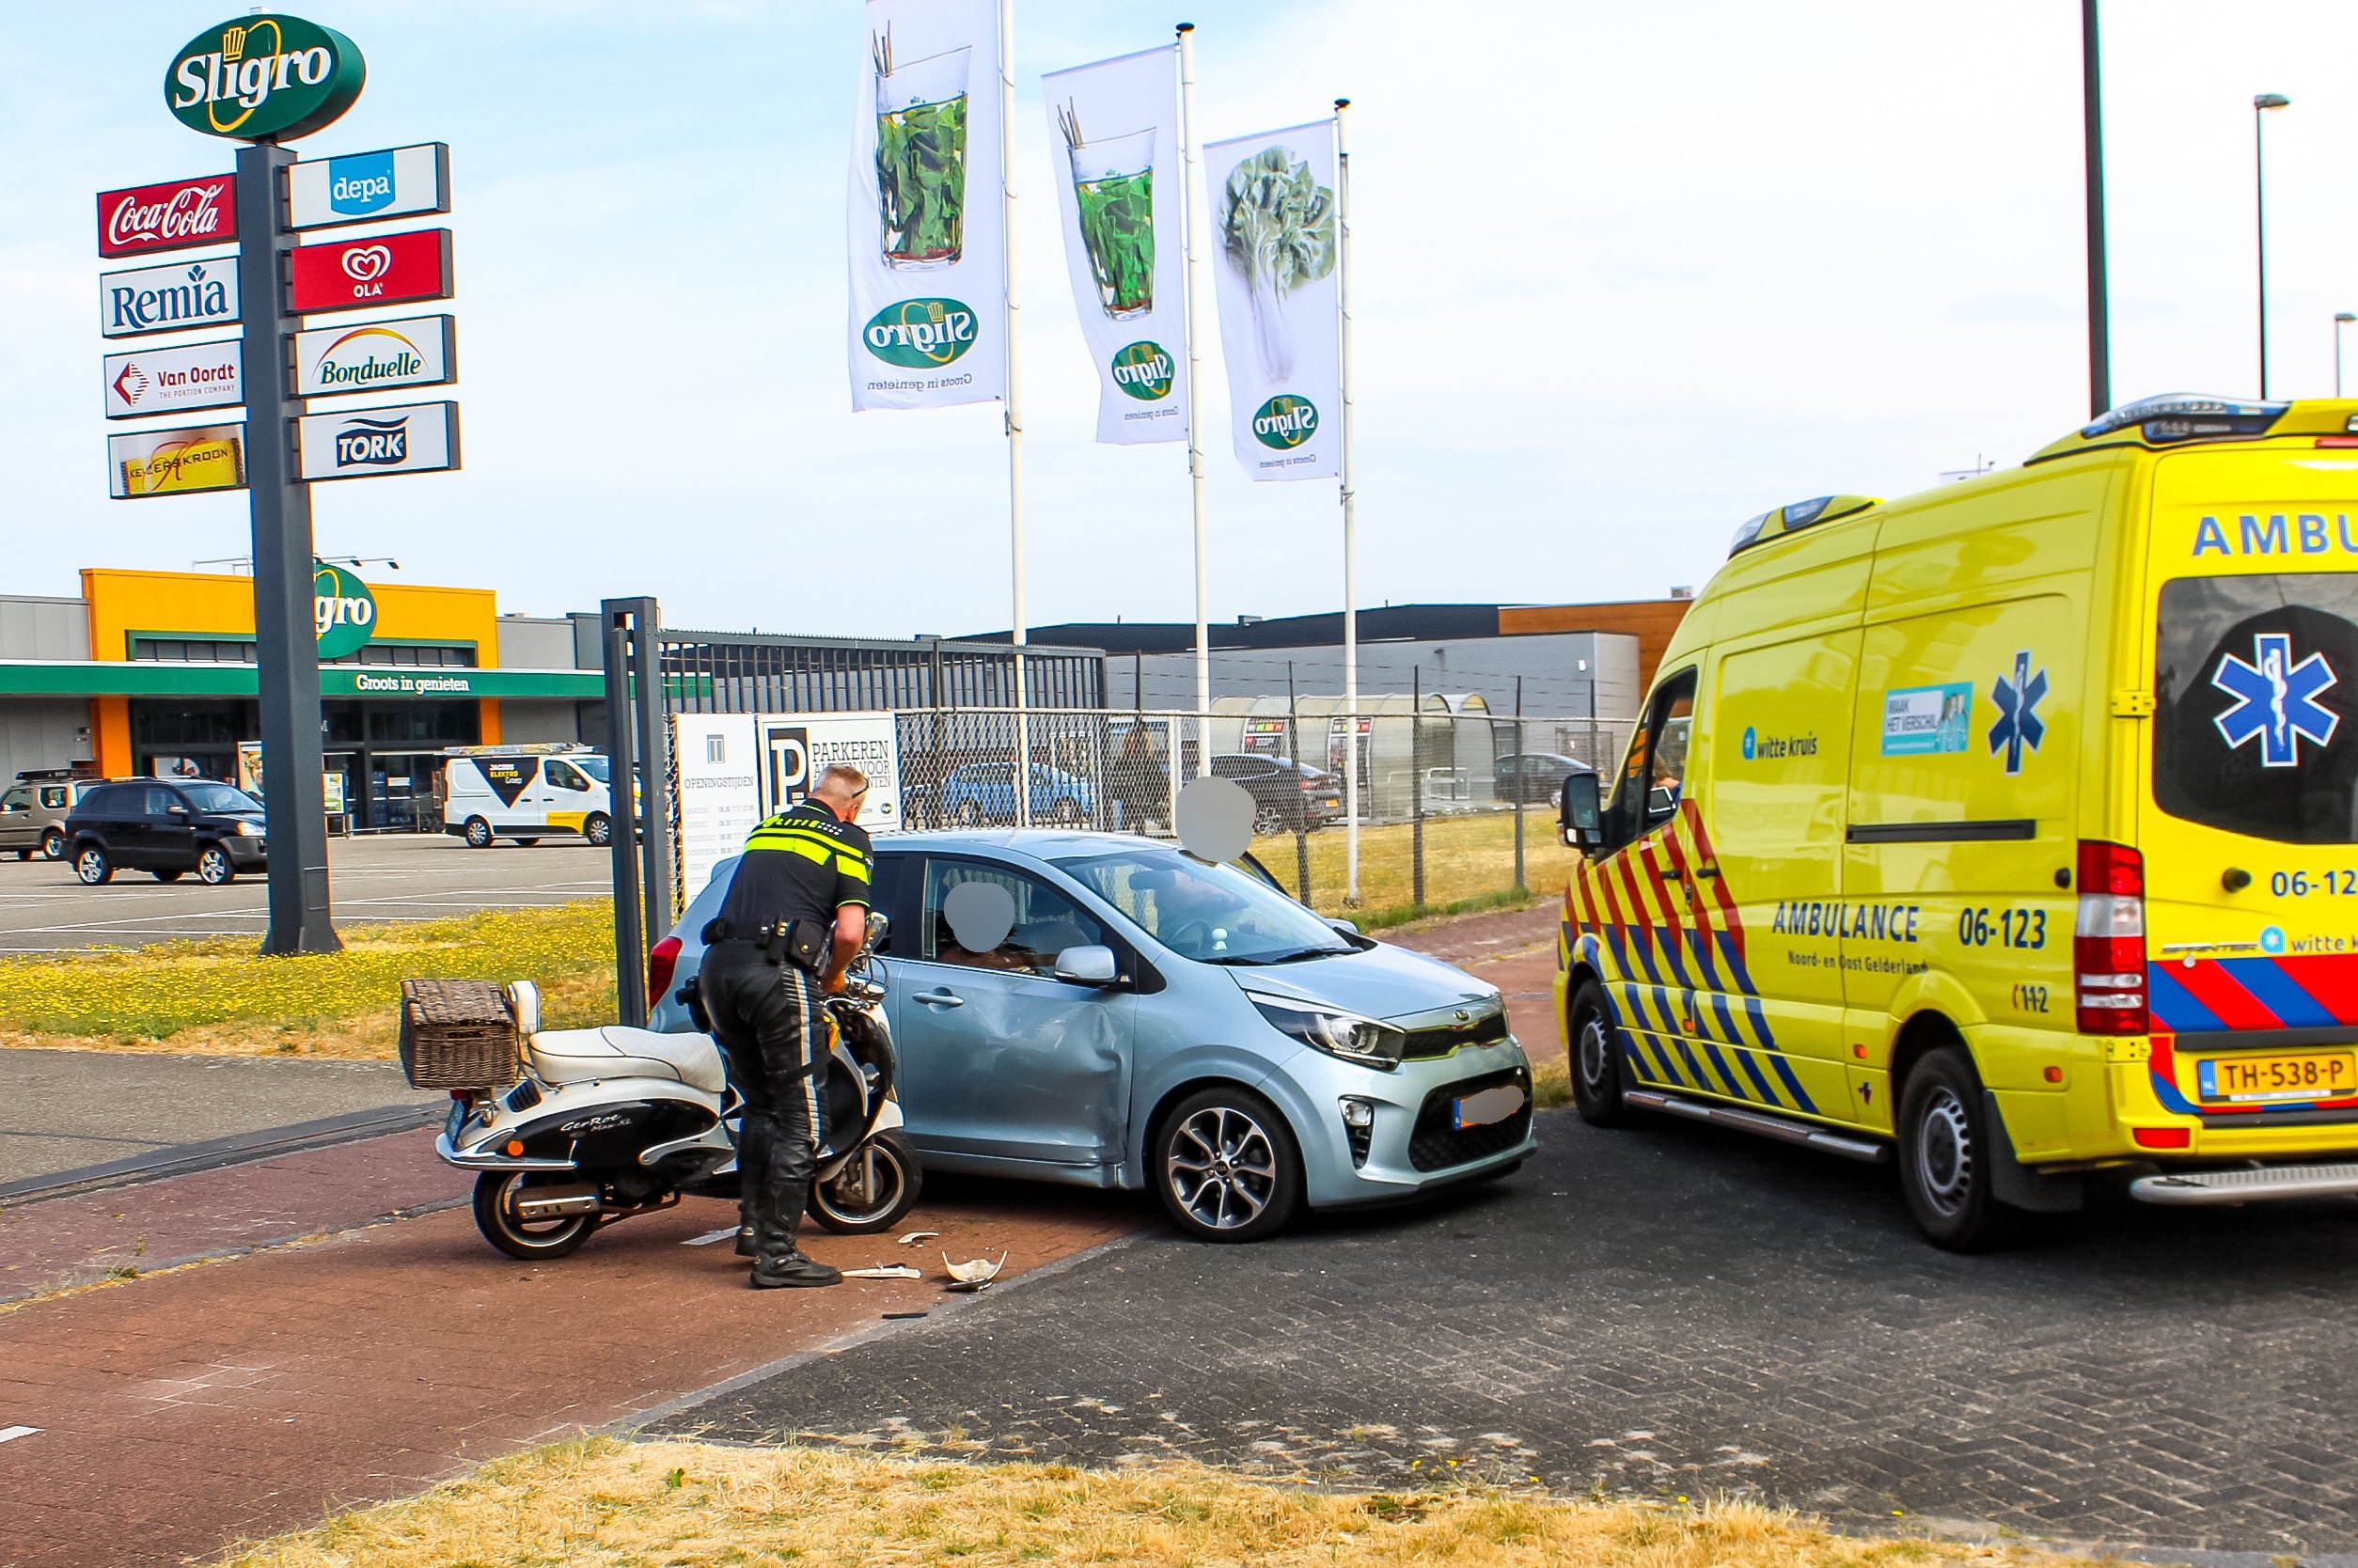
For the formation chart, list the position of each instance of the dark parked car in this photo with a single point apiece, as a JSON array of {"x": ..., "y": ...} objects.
[
  {"x": 1534, "y": 777},
  {"x": 146, "y": 825},
  {"x": 1287, "y": 796}
]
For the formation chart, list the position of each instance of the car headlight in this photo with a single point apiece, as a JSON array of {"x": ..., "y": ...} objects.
[
  {"x": 1346, "y": 1035},
  {"x": 249, "y": 829}
]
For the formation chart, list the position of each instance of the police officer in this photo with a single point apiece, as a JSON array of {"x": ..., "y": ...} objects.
[{"x": 795, "y": 914}]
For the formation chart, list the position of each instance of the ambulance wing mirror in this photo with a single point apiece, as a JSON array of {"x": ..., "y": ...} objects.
[{"x": 1579, "y": 813}]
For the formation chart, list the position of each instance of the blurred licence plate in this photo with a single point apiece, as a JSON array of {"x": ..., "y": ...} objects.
[
  {"x": 2311, "y": 1075},
  {"x": 1491, "y": 1104}
]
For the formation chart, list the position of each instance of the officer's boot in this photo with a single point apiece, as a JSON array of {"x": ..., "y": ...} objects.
[
  {"x": 781, "y": 1263},
  {"x": 749, "y": 1237}
]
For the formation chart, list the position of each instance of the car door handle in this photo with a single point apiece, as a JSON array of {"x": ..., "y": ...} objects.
[{"x": 939, "y": 998}]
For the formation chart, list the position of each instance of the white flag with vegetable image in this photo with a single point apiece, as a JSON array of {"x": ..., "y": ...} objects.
[
  {"x": 1113, "y": 136},
  {"x": 928, "y": 241},
  {"x": 1275, "y": 245}
]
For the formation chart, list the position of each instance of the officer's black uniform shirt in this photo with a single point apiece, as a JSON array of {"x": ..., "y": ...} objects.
[{"x": 799, "y": 865}]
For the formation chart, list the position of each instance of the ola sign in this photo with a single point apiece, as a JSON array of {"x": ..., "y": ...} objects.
[
  {"x": 263, "y": 75},
  {"x": 342, "y": 609}
]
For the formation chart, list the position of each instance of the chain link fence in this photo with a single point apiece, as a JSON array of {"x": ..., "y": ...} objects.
[{"x": 1456, "y": 803}]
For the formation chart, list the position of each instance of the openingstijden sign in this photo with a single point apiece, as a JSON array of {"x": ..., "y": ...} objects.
[
  {"x": 173, "y": 215},
  {"x": 383, "y": 269}
]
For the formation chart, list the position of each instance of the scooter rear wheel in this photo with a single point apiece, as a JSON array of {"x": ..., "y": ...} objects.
[
  {"x": 530, "y": 1240},
  {"x": 873, "y": 1191}
]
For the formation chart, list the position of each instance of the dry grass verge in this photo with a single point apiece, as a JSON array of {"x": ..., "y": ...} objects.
[
  {"x": 605, "y": 1502},
  {"x": 1469, "y": 864},
  {"x": 216, "y": 996}
]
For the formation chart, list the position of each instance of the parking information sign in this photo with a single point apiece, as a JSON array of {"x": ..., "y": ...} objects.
[
  {"x": 361, "y": 442},
  {"x": 363, "y": 187},
  {"x": 418, "y": 351},
  {"x": 168, "y": 380}
]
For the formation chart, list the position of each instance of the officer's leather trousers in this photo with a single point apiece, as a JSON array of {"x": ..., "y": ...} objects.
[{"x": 769, "y": 1019}]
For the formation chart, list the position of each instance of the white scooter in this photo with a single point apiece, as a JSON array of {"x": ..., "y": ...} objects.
[{"x": 609, "y": 1122}]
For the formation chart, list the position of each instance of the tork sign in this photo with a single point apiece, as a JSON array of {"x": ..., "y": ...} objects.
[{"x": 262, "y": 77}]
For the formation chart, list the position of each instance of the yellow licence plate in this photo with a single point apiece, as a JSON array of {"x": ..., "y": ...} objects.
[{"x": 2309, "y": 1076}]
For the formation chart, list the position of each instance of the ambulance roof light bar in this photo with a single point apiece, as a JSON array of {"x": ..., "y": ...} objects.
[
  {"x": 1797, "y": 515},
  {"x": 2185, "y": 415}
]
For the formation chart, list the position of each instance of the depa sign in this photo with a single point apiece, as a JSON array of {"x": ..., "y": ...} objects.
[
  {"x": 265, "y": 75},
  {"x": 343, "y": 611}
]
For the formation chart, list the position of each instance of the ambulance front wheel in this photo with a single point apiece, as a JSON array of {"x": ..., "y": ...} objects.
[
  {"x": 1946, "y": 1154},
  {"x": 1595, "y": 1041}
]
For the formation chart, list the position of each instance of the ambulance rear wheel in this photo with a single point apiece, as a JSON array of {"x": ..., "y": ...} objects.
[
  {"x": 1946, "y": 1156},
  {"x": 1596, "y": 1042},
  {"x": 478, "y": 832}
]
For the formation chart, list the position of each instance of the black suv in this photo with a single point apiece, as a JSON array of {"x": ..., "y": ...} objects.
[{"x": 146, "y": 825}]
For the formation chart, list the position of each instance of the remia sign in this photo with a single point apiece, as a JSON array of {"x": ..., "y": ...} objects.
[
  {"x": 343, "y": 611},
  {"x": 263, "y": 75}
]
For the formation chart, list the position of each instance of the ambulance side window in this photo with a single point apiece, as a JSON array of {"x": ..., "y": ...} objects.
[{"x": 1654, "y": 777}]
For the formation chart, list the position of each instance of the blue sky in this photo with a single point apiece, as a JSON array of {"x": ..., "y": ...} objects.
[{"x": 1627, "y": 275}]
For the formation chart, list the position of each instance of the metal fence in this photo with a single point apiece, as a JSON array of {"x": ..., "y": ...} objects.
[{"x": 1456, "y": 803}]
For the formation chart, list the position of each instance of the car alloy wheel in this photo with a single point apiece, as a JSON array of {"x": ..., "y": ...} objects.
[
  {"x": 599, "y": 830},
  {"x": 1230, "y": 1169},
  {"x": 90, "y": 864},
  {"x": 1269, "y": 822},
  {"x": 53, "y": 845},
  {"x": 215, "y": 868},
  {"x": 478, "y": 832}
]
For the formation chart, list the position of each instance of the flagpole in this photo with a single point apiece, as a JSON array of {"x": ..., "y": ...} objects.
[
  {"x": 1193, "y": 164},
  {"x": 1350, "y": 527},
  {"x": 1017, "y": 638}
]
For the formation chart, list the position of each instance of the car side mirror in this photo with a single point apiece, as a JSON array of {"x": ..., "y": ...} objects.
[
  {"x": 1580, "y": 812},
  {"x": 1090, "y": 965},
  {"x": 176, "y": 810}
]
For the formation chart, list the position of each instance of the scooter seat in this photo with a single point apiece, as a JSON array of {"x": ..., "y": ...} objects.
[{"x": 573, "y": 1056}]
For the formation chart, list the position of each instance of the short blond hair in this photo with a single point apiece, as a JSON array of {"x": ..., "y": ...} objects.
[{"x": 841, "y": 778}]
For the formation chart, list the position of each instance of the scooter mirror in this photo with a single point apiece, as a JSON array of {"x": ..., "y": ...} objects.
[{"x": 878, "y": 923}]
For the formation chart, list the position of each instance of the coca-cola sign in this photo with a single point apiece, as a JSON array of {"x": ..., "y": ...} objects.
[
  {"x": 383, "y": 269},
  {"x": 171, "y": 216}
]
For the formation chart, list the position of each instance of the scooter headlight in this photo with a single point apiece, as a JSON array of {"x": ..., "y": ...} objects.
[{"x": 1368, "y": 1041}]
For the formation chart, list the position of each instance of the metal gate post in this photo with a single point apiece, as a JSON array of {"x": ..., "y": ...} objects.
[
  {"x": 655, "y": 761},
  {"x": 630, "y": 939}
]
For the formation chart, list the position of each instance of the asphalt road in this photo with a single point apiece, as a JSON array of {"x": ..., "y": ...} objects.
[
  {"x": 394, "y": 877},
  {"x": 64, "y": 1110},
  {"x": 1683, "y": 1312}
]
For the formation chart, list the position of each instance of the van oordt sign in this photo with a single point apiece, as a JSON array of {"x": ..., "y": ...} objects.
[{"x": 263, "y": 76}]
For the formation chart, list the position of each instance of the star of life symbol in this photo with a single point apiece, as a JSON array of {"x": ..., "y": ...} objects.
[
  {"x": 2275, "y": 699},
  {"x": 2019, "y": 724}
]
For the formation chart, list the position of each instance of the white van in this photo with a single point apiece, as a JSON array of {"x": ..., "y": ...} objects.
[{"x": 526, "y": 793}]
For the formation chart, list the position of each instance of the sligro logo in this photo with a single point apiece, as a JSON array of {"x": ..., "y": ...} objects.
[
  {"x": 1144, "y": 371},
  {"x": 262, "y": 77},
  {"x": 1286, "y": 421},
  {"x": 920, "y": 334}
]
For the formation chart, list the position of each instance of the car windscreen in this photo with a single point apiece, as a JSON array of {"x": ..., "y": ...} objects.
[
  {"x": 218, "y": 798},
  {"x": 2253, "y": 693},
  {"x": 1211, "y": 914}
]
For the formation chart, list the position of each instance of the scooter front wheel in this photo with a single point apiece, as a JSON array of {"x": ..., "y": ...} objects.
[
  {"x": 872, "y": 1191},
  {"x": 532, "y": 1240}
]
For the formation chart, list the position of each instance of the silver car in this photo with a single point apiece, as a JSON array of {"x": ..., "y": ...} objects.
[{"x": 1153, "y": 1020}]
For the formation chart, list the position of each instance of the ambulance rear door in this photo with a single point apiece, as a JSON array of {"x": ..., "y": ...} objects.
[{"x": 2249, "y": 827}]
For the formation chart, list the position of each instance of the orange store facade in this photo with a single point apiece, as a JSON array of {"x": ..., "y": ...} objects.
[{"x": 153, "y": 673}]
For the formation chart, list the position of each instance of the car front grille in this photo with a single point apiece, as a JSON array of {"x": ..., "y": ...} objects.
[
  {"x": 1436, "y": 1143},
  {"x": 1440, "y": 1039}
]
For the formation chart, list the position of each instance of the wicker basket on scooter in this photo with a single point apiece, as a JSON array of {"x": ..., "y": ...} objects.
[{"x": 457, "y": 1034}]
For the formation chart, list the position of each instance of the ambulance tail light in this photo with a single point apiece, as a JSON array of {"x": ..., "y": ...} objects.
[{"x": 2108, "y": 940}]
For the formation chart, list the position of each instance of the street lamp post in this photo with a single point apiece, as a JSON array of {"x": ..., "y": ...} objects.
[
  {"x": 2261, "y": 103},
  {"x": 2092, "y": 132},
  {"x": 2341, "y": 319}
]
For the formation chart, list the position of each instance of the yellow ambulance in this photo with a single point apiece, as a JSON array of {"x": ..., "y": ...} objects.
[{"x": 2008, "y": 830}]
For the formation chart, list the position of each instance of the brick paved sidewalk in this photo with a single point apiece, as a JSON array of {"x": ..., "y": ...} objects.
[{"x": 181, "y": 1411}]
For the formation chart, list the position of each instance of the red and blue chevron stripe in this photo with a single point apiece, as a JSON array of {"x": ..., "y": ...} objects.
[{"x": 2214, "y": 995}]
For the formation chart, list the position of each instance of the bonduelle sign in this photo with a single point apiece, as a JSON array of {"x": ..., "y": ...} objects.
[
  {"x": 416, "y": 351},
  {"x": 264, "y": 75}
]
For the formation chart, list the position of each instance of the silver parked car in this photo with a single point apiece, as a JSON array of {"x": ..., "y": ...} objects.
[{"x": 1154, "y": 1020}]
